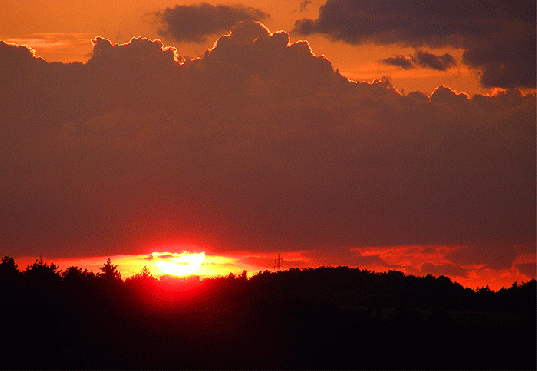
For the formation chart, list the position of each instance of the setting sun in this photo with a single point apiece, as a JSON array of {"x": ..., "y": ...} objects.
[{"x": 178, "y": 264}]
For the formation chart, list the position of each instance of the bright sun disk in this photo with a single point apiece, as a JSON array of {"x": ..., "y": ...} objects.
[{"x": 178, "y": 264}]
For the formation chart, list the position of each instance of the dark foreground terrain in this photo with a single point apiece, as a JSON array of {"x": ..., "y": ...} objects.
[{"x": 324, "y": 318}]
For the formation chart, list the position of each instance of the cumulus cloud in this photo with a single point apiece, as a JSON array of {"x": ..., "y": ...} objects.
[
  {"x": 193, "y": 23},
  {"x": 259, "y": 145},
  {"x": 13, "y": 56},
  {"x": 498, "y": 36}
]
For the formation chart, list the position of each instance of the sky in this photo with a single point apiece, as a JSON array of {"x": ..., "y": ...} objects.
[{"x": 373, "y": 134}]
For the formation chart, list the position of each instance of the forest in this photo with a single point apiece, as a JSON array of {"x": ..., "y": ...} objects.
[{"x": 310, "y": 318}]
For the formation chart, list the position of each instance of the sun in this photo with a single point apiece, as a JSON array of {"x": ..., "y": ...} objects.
[{"x": 178, "y": 264}]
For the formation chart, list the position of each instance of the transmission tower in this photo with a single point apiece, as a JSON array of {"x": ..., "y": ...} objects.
[{"x": 278, "y": 263}]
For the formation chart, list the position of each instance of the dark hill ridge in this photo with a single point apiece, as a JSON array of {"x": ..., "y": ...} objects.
[
  {"x": 323, "y": 318},
  {"x": 361, "y": 287}
]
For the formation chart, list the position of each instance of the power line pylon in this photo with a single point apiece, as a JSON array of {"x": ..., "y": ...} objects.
[{"x": 277, "y": 263}]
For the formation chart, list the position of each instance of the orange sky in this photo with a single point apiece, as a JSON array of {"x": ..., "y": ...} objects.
[
  {"x": 61, "y": 30},
  {"x": 414, "y": 260},
  {"x": 312, "y": 166}
]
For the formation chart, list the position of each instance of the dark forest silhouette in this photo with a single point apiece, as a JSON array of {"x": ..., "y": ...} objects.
[{"x": 329, "y": 318}]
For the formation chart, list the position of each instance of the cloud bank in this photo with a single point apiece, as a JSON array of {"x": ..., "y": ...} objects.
[
  {"x": 498, "y": 36},
  {"x": 193, "y": 23},
  {"x": 258, "y": 145}
]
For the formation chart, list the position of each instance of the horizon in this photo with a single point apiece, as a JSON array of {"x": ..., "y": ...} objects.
[{"x": 131, "y": 266}]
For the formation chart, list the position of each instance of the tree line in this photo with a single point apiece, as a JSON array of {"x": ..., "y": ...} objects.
[{"x": 315, "y": 318}]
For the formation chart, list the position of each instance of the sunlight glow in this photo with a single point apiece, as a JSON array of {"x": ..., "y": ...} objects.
[{"x": 178, "y": 264}]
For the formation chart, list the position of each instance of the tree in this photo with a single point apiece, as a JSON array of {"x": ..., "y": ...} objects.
[
  {"x": 142, "y": 282},
  {"x": 41, "y": 271},
  {"x": 8, "y": 269},
  {"x": 75, "y": 274},
  {"x": 144, "y": 277},
  {"x": 145, "y": 273},
  {"x": 109, "y": 272}
]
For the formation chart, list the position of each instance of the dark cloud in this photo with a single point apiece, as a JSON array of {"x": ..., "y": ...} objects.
[
  {"x": 498, "y": 36},
  {"x": 193, "y": 23},
  {"x": 527, "y": 269},
  {"x": 399, "y": 61},
  {"x": 422, "y": 59},
  {"x": 506, "y": 57},
  {"x": 436, "y": 62},
  {"x": 257, "y": 145},
  {"x": 491, "y": 255}
]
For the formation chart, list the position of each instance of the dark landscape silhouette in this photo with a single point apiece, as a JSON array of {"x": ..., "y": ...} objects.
[{"x": 322, "y": 318}]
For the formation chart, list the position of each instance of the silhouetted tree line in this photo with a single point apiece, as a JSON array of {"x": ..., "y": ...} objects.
[{"x": 323, "y": 318}]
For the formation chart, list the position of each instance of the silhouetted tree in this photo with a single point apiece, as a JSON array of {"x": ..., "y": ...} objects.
[
  {"x": 8, "y": 269},
  {"x": 302, "y": 318},
  {"x": 145, "y": 272},
  {"x": 109, "y": 272},
  {"x": 42, "y": 273},
  {"x": 76, "y": 278},
  {"x": 143, "y": 283},
  {"x": 11, "y": 293},
  {"x": 76, "y": 273}
]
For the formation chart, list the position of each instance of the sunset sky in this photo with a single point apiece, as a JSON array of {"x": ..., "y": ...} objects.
[{"x": 373, "y": 134}]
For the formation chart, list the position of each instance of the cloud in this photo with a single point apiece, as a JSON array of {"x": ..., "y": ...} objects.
[
  {"x": 527, "y": 269},
  {"x": 193, "y": 23},
  {"x": 491, "y": 255},
  {"x": 498, "y": 36},
  {"x": 443, "y": 94},
  {"x": 15, "y": 56},
  {"x": 436, "y": 62},
  {"x": 399, "y": 61},
  {"x": 258, "y": 145},
  {"x": 422, "y": 59}
]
